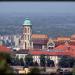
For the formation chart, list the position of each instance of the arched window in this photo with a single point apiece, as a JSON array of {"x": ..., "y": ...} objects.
[
  {"x": 25, "y": 30},
  {"x": 28, "y": 30},
  {"x": 25, "y": 45},
  {"x": 25, "y": 37},
  {"x": 28, "y": 37}
]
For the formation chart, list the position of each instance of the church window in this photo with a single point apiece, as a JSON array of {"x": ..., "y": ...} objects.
[
  {"x": 25, "y": 45},
  {"x": 25, "y": 30},
  {"x": 28, "y": 30},
  {"x": 25, "y": 37},
  {"x": 28, "y": 37}
]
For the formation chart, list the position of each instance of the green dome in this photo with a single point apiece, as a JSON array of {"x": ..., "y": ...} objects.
[{"x": 27, "y": 22}]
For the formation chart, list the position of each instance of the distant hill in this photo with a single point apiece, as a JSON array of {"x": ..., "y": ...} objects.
[{"x": 53, "y": 25}]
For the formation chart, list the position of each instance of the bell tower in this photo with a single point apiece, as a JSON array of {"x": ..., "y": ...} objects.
[{"x": 27, "y": 32}]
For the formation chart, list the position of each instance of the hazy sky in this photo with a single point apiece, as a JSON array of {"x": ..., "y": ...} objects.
[{"x": 37, "y": 7}]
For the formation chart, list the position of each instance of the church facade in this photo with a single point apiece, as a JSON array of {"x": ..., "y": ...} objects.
[
  {"x": 33, "y": 41},
  {"x": 41, "y": 44}
]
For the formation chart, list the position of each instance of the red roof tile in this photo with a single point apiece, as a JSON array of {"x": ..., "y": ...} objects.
[
  {"x": 4, "y": 49},
  {"x": 65, "y": 49},
  {"x": 39, "y": 36},
  {"x": 40, "y": 41},
  {"x": 49, "y": 53}
]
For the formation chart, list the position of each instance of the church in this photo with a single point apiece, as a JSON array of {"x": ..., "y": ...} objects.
[
  {"x": 41, "y": 44},
  {"x": 33, "y": 41}
]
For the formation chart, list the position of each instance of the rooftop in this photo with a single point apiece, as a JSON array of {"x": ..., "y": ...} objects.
[
  {"x": 5, "y": 49},
  {"x": 27, "y": 22},
  {"x": 39, "y": 36}
]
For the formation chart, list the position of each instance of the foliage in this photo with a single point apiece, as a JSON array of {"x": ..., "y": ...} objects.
[
  {"x": 50, "y": 63},
  {"x": 34, "y": 71},
  {"x": 5, "y": 68},
  {"x": 66, "y": 61},
  {"x": 29, "y": 60},
  {"x": 21, "y": 61},
  {"x": 42, "y": 60},
  {"x": 5, "y": 56},
  {"x": 73, "y": 70}
]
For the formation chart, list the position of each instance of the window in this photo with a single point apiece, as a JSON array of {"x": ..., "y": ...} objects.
[
  {"x": 25, "y": 37},
  {"x": 25, "y": 30},
  {"x": 28, "y": 37},
  {"x": 25, "y": 45},
  {"x": 28, "y": 30}
]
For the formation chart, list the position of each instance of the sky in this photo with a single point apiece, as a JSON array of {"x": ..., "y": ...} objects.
[{"x": 37, "y": 7}]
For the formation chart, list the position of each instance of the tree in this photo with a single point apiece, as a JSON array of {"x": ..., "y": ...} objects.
[
  {"x": 42, "y": 60},
  {"x": 5, "y": 68},
  {"x": 29, "y": 60},
  {"x": 73, "y": 73},
  {"x": 15, "y": 61},
  {"x": 4, "y": 64},
  {"x": 50, "y": 63},
  {"x": 21, "y": 61},
  {"x": 34, "y": 71},
  {"x": 66, "y": 61},
  {"x": 5, "y": 56}
]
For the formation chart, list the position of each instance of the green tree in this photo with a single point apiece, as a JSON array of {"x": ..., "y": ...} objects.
[
  {"x": 42, "y": 60},
  {"x": 29, "y": 60},
  {"x": 17, "y": 61},
  {"x": 50, "y": 63},
  {"x": 66, "y": 61},
  {"x": 73, "y": 72},
  {"x": 4, "y": 66},
  {"x": 34, "y": 71},
  {"x": 21, "y": 61},
  {"x": 5, "y": 56}
]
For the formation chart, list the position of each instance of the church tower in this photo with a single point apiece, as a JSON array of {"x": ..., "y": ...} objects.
[{"x": 27, "y": 32}]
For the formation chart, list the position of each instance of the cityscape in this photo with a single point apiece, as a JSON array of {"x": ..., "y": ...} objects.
[{"x": 30, "y": 53}]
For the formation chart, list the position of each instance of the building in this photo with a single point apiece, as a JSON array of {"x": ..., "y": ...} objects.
[
  {"x": 32, "y": 41},
  {"x": 39, "y": 41},
  {"x": 41, "y": 44},
  {"x": 26, "y": 36}
]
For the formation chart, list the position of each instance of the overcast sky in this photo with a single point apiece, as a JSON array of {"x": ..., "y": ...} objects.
[{"x": 37, "y": 7}]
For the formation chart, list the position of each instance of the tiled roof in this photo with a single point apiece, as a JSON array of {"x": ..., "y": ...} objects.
[
  {"x": 63, "y": 47},
  {"x": 63, "y": 38},
  {"x": 40, "y": 41},
  {"x": 73, "y": 36},
  {"x": 39, "y": 36},
  {"x": 39, "y": 52},
  {"x": 5, "y": 49}
]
